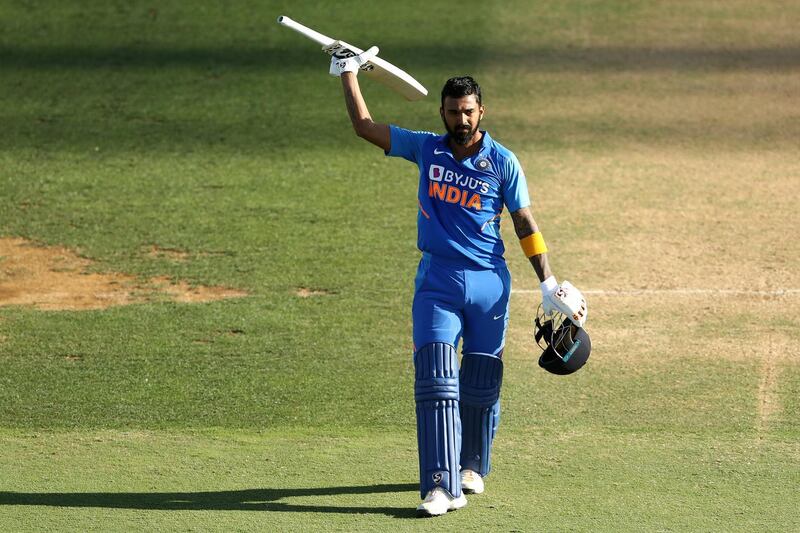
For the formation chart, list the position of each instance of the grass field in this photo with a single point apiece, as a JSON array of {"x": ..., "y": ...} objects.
[{"x": 202, "y": 143}]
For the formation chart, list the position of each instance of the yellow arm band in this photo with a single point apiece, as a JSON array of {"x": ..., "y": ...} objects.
[{"x": 533, "y": 244}]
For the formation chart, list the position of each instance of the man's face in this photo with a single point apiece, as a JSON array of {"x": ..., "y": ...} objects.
[{"x": 461, "y": 117}]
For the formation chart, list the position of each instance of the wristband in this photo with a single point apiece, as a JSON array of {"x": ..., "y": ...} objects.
[
  {"x": 533, "y": 244},
  {"x": 549, "y": 285}
]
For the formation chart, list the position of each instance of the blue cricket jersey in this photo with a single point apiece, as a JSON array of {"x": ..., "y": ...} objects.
[{"x": 460, "y": 202}]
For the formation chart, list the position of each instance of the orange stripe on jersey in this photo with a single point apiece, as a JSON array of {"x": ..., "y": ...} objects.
[{"x": 426, "y": 215}]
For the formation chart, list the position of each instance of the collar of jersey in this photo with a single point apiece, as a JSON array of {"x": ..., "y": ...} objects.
[{"x": 486, "y": 145}]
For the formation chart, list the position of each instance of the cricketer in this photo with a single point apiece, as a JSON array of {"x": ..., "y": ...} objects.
[{"x": 462, "y": 285}]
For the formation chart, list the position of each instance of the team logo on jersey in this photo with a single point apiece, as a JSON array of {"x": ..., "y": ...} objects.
[
  {"x": 435, "y": 173},
  {"x": 482, "y": 164}
]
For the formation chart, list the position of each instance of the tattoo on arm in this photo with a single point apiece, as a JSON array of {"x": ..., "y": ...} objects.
[{"x": 524, "y": 225}]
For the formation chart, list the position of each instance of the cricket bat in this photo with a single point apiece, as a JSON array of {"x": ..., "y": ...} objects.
[{"x": 376, "y": 68}]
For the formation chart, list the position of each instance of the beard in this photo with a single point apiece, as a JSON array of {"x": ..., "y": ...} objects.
[{"x": 461, "y": 134}]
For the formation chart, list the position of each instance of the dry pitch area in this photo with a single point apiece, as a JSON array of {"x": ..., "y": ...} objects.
[
  {"x": 673, "y": 151},
  {"x": 56, "y": 278}
]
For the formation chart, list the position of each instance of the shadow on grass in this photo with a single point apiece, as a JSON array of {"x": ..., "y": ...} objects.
[
  {"x": 283, "y": 58},
  {"x": 229, "y": 500},
  {"x": 275, "y": 99}
]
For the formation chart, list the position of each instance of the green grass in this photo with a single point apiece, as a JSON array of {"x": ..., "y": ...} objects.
[
  {"x": 659, "y": 141},
  {"x": 233, "y": 480}
]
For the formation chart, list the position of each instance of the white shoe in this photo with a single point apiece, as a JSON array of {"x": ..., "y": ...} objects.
[
  {"x": 438, "y": 501},
  {"x": 471, "y": 482}
]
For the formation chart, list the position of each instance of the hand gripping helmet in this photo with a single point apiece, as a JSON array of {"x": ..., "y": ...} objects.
[{"x": 566, "y": 346}]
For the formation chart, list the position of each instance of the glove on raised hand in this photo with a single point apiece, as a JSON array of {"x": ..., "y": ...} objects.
[{"x": 348, "y": 64}]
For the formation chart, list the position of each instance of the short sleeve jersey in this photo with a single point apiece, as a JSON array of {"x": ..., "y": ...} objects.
[{"x": 460, "y": 202}]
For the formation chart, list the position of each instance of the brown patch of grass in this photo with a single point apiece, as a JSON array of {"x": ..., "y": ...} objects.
[
  {"x": 668, "y": 218},
  {"x": 171, "y": 254},
  {"x": 305, "y": 292},
  {"x": 181, "y": 291},
  {"x": 55, "y": 278},
  {"x": 666, "y": 160},
  {"x": 768, "y": 399}
]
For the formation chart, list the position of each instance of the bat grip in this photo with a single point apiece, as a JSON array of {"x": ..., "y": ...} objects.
[{"x": 324, "y": 40}]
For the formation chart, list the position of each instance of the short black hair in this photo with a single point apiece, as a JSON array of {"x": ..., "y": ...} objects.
[{"x": 461, "y": 86}]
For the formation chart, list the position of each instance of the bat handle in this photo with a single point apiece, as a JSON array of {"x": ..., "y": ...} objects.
[{"x": 324, "y": 40}]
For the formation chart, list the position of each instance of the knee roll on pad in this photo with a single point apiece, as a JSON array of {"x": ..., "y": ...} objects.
[
  {"x": 438, "y": 421},
  {"x": 480, "y": 381}
]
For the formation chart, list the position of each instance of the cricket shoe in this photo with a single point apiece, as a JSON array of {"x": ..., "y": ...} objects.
[
  {"x": 471, "y": 482},
  {"x": 438, "y": 502}
]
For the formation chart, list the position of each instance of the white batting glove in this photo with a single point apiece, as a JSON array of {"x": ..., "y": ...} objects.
[
  {"x": 351, "y": 63},
  {"x": 549, "y": 287},
  {"x": 569, "y": 300}
]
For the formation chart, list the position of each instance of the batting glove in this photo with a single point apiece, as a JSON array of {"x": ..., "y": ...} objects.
[
  {"x": 569, "y": 300},
  {"x": 549, "y": 287},
  {"x": 353, "y": 63}
]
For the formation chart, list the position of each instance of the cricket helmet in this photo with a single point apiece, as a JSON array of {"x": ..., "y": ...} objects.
[{"x": 566, "y": 347}]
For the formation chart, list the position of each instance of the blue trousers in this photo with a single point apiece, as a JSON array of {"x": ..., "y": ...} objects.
[
  {"x": 455, "y": 303},
  {"x": 452, "y": 303}
]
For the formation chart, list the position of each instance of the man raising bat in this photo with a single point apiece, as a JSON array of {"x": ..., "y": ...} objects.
[{"x": 462, "y": 282}]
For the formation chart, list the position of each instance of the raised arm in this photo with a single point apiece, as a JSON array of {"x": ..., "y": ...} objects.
[{"x": 366, "y": 128}]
